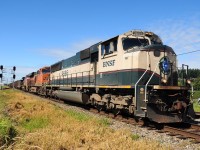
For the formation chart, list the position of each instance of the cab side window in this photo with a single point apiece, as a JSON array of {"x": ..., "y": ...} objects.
[{"x": 109, "y": 47}]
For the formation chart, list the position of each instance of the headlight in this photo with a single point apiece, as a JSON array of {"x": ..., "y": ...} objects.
[
  {"x": 163, "y": 80},
  {"x": 165, "y": 65},
  {"x": 188, "y": 82}
]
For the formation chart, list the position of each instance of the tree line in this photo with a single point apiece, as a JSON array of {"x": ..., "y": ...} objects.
[{"x": 195, "y": 76}]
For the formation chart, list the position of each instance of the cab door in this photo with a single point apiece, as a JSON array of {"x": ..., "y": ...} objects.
[
  {"x": 93, "y": 66},
  {"x": 108, "y": 63}
]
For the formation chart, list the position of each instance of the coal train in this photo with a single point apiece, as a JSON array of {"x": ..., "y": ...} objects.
[{"x": 133, "y": 73}]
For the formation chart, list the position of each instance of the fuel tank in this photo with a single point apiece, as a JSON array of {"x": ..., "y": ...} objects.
[
  {"x": 66, "y": 88},
  {"x": 72, "y": 96}
]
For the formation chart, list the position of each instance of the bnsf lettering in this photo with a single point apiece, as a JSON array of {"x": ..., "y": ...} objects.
[
  {"x": 64, "y": 73},
  {"x": 109, "y": 63}
]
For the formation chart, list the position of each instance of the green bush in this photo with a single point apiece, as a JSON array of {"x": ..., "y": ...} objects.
[
  {"x": 7, "y": 131},
  {"x": 196, "y": 95},
  {"x": 196, "y": 106}
]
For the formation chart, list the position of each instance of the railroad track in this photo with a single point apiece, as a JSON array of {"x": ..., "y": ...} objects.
[
  {"x": 122, "y": 118},
  {"x": 187, "y": 131},
  {"x": 192, "y": 132}
]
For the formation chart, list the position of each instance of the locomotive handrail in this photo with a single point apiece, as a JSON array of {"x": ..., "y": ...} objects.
[
  {"x": 69, "y": 78},
  {"x": 140, "y": 79},
  {"x": 149, "y": 81},
  {"x": 137, "y": 84}
]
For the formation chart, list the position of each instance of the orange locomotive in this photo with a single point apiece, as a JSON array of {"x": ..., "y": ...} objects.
[
  {"x": 28, "y": 81},
  {"x": 43, "y": 75},
  {"x": 39, "y": 80}
]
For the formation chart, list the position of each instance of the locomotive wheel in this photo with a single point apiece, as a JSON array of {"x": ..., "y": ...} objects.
[
  {"x": 159, "y": 126},
  {"x": 99, "y": 107},
  {"x": 116, "y": 111}
]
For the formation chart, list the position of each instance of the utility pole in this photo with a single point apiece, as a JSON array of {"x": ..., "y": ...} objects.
[
  {"x": 14, "y": 76},
  {"x": 1, "y": 75},
  {"x": 2, "y": 71}
]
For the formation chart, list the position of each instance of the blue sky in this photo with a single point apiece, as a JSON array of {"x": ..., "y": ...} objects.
[{"x": 37, "y": 33}]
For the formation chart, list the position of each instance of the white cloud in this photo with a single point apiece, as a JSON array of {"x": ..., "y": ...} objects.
[
  {"x": 80, "y": 45},
  {"x": 183, "y": 35},
  {"x": 22, "y": 71},
  {"x": 25, "y": 70},
  {"x": 57, "y": 53},
  {"x": 68, "y": 51}
]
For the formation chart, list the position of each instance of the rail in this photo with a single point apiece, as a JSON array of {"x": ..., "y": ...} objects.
[{"x": 192, "y": 132}]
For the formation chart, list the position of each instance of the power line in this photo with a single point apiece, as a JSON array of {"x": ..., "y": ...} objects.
[{"x": 188, "y": 52}]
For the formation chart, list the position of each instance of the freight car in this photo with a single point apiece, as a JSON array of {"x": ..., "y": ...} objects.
[
  {"x": 132, "y": 72},
  {"x": 16, "y": 84}
]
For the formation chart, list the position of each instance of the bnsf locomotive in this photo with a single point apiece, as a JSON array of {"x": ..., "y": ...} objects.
[{"x": 132, "y": 72}]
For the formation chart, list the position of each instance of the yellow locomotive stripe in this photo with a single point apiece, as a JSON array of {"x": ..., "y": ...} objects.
[
  {"x": 92, "y": 86},
  {"x": 123, "y": 86}
]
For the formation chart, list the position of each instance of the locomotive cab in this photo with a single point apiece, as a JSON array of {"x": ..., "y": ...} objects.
[
  {"x": 140, "y": 61},
  {"x": 43, "y": 76}
]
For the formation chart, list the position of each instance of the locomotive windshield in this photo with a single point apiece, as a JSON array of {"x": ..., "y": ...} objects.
[
  {"x": 46, "y": 70},
  {"x": 132, "y": 42},
  {"x": 155, "y": 41}
]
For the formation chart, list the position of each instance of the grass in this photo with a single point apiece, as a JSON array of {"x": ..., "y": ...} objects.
[
  {"x": 41, "y": 125},
  {"x": 84, "y": 117},
  {"x": 35, "y": 123},
  {"x": 2, "y": 104},
  {"x": 77, "y": 115},
  {"x": 195, "y": 104},
  {"x": 5, "y": 124},
  {"x": 7, "y": 131},
  {"x": 104, "y": 122},
  {"x": 196, "y": 95},
  {"x": 135, "y": 136}
]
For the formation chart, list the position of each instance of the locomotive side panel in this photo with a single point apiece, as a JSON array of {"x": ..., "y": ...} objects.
[{"x": 75, "y": 73}]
